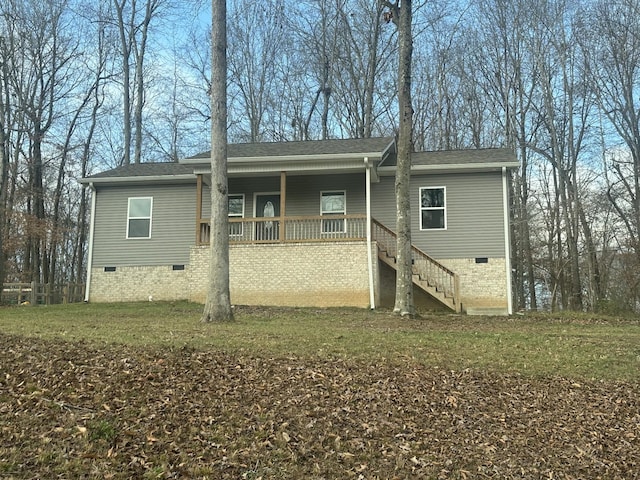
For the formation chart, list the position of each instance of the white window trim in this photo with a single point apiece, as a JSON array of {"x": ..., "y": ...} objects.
[
  {"x": 239, "y": 234},
  {"x": 444, "y": 208},
  {"x": 129, "y": 217},
  {"x": 322, "y": 213}
]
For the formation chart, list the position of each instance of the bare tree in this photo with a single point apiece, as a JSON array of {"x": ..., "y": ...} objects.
[
  {"x": 509, "y": 77},
  {"x": 5, "y": 133},
  {"x": 613, "y": 42},
  {"x": 255, "y": 48},
  {"x": 133, "y": 23},
  {"x": 76, "y": 138},
  {"x": 360, "y": 68},
  {"x": 218, "y": 304},
  {"x": 41, "y": 78},
  {"x": 400, "y": 12}
]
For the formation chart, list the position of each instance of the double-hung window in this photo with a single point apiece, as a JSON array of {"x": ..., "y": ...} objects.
[
  {"x": 236, "y": 210},
  {"x": 433, "y": 212},
  {"x": 333, "y": 203},
  {"x": 139, "y": 214}
]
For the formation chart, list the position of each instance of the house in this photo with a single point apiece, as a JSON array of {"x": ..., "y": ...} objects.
[{"x": 310, "y": 224}]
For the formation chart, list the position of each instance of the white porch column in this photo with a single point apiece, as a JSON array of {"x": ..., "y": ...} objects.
[{"x": 367, "y": 171}]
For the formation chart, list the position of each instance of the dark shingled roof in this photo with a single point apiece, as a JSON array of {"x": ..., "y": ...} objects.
[
  {"x": 145, "y": 170},
  {"x": 310, "y": 147},
  {"x": 466, "y": 157},
  {"x": 318, "y": 147}
]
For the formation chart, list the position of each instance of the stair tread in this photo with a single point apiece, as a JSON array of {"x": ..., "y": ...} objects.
[{"x": 420, "y": 274}]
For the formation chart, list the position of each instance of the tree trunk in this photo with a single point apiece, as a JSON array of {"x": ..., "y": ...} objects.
[
  {"x": 218, "y": 305},
  {"x": 125, "y": 51},
  {"x": 404, "y": 282},
  {"x": 139, "y": 52},
  {"x": 4, "y": 154}
]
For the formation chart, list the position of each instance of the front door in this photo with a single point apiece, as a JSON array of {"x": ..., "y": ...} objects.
[{"x": 267, "y": 205}]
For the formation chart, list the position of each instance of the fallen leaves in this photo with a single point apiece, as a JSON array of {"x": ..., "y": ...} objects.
[{"x": 74, "y": 410}]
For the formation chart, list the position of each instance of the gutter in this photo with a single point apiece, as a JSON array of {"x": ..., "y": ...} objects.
[
  {"x": 367, "y": 171},
  {"x": 507, "y": 239},
  {"x": 91, "y": 233}
]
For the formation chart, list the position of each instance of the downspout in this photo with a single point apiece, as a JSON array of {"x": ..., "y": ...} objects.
[
  {"x": 90, "y": 249},
  {"x": 367, "y": 171},
  {"x": 507, "y": 239}
]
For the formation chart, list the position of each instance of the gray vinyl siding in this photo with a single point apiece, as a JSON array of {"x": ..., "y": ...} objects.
[
  {"x": 172, "y": 228},
  {"x": 303, "y": 192},
  {"x": 474, "y": 210}
]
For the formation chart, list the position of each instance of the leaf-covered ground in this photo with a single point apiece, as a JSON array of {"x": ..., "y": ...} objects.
[{"x": 74, "y": 410}]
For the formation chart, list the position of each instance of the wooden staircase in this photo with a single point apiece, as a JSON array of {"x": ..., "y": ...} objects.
[{"x": 429, "y": 275}]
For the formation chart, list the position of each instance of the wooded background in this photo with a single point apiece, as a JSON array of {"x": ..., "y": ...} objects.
[{"x": 88, "y": 85}]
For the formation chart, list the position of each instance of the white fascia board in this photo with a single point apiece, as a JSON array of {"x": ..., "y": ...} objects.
[
  {"x": 472, "y": 167},
  {"x": 287, "y": 159},
  {"x": 140, "y": 179}
]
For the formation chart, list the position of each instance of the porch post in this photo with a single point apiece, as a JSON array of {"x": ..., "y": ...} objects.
[
  {"x": 198, "y": 207},
  {"x": 283, "y": 203},
  {"x": 367, "y": 176}
]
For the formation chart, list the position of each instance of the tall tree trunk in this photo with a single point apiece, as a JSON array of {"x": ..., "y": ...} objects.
[
  {"x": 401, "y": 14},
  {"x": 371, "y": 79},
  {"x": 125, "y": 51},
  {"x": 4, "y": 153},
  {"x": 139, "y": 50},
  {"x": 218, "y": 304},
  {"x": 39, "y": 267}
]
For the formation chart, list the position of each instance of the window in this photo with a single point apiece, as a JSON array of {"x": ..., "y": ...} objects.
[
  {"x": 432, "y": 208},
  {"x": 236, "y": 210},
  {"x": 333, "y": 203},
  {"x": 139, "y": 217}
]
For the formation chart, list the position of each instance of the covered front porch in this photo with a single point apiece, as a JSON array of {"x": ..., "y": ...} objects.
[
  {"x": 289, "y": 203},
  {"x": 292, "y": 207},
  {"x": 356, "y": 233}
]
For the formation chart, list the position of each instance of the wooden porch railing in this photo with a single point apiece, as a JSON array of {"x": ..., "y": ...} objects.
[
  {"x": 321, "y": 228},
  {"x": 428, "y": 271}
]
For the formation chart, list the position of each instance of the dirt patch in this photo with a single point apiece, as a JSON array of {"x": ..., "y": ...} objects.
[{"x": 73, "y": 410}]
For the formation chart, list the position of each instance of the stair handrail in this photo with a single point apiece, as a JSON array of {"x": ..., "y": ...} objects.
[{"x": 445, "y": 279}]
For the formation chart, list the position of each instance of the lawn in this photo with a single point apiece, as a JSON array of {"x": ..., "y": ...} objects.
[{"x": 147, "y": 391}]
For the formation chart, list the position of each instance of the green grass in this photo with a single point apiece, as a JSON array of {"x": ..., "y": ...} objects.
[{"x": 577, "y": 346}]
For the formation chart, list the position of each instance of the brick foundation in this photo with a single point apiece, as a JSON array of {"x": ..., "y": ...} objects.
[
  {"x": 482, "y": 285},
  {"x": 295, "y": 274},
  {"x": 290, "y": 274},
  {"x": 134, "y": 284}
]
